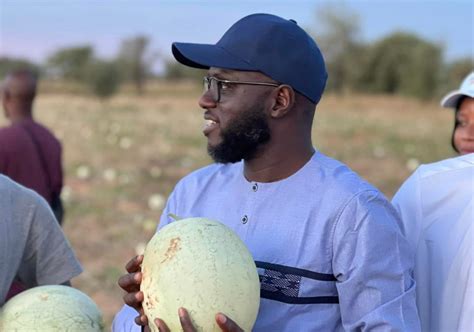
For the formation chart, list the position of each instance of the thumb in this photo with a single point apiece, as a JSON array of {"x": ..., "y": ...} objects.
[{"x": 226, "y": 324}]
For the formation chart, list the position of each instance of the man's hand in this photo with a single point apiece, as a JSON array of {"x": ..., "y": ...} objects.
[
  {"x": 225, "y": 323},
  {"x": 130, "y": 283}
]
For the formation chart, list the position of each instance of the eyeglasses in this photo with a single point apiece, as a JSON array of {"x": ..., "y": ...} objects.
[{"x": 219, "y": 87}]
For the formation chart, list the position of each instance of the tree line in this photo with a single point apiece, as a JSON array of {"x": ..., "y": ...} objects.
[{"x": 399, "y": 63}]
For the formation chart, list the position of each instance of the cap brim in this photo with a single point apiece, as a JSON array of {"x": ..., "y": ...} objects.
[
  {"x": 204, "y": 56},
  {"x": 451, "y": 100}
]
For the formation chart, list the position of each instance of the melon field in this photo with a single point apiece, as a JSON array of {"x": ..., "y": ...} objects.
[{"x": 123, "y": 156}]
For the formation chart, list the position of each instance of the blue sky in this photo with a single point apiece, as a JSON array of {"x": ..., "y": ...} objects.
[{"x": 34, "y": 29}]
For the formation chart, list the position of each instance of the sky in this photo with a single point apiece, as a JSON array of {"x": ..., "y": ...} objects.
[{"x": 34, "y": 29}]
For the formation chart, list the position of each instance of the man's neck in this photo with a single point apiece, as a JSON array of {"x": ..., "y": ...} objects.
[
  {"x": 275, "y": 166},
  {"x": 20, "y": 116}
]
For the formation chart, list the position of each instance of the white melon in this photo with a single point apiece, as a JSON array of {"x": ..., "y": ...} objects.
[
  {"x": 203, "y": 266},
  {"x": 51, "y": 308}
]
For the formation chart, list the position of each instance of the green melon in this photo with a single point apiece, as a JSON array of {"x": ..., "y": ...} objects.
[
  {"x": 203, "y": 266},
  {"x": 51, "y": 308}
]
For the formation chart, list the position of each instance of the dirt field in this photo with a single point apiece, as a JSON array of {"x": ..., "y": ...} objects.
[{"x": 122, "y": 158}]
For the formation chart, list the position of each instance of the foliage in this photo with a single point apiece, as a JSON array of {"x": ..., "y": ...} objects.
[
  {"x": 9, "y": 64},
  {"x": 103, "y": 78},
  {"x": 70, "y": 63},
  {"x": 176, "y": 71},
  {"x": 455, "y": 73},
  {"x": 402, "y": 63},
  {"x": 134, "y": 61},
  {"x": 338, "y": 37}
]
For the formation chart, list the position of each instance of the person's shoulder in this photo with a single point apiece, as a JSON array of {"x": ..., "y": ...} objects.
[
  {"x": 446, "y": 166},
  {"x": 338, "y": 177},
  {"x": 44, "y": 131},
  {"x": 20, "y": 197},
  {"x": 9, "y": 133}
]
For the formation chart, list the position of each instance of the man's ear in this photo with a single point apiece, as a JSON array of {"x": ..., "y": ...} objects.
[{"x": 283, "y": 101}]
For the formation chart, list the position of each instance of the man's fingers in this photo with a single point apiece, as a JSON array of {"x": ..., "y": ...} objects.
[
  {"x": 226, "y": 324},
  {"x": 141, "y": 320},
  {"x": 186, "y": 322},
  {"x": 134, "y": 265},
  {"x": 130, "y": 282},
  {"x": 134, "y": 300},
  {"x": 162, "y": 327}
]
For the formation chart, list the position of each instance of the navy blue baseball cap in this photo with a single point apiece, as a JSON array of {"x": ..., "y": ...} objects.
[{"x": 274, "y": 46}]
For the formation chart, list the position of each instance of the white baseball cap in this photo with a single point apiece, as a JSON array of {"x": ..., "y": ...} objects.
[{"x": 465, "y": 90}]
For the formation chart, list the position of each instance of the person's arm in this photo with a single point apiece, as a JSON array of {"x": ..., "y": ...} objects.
[
  {"x": 131, "y": 318},
  {"x": 407, "y": 201},
  {"x": 373, "y": 265},
  {"x": 48, "y": 257}
]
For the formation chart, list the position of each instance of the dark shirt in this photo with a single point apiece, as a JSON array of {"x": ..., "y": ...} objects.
[{"x": 20, "y": 157}]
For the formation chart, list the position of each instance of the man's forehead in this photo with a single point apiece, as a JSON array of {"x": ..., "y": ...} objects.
[{"x": 234, "y": 74}]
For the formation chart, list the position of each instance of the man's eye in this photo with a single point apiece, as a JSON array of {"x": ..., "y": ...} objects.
[{"x": 225, "y": 86}]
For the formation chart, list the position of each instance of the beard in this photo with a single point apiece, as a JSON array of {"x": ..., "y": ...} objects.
[{"x": 242, "y": 137}]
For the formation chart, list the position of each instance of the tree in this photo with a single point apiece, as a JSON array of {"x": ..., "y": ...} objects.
[
  {"x": 455, "y": 72},
  {"x": 103, "y": 78},
  {"x": 403, "y": 63},
  {"x": 70, "y": 63},
  {"x": 9, "y": 64},
  {"x": 338, "y": 37},
  {"x": 135, "y": 61},
  {"x": 176, "y": 71}
]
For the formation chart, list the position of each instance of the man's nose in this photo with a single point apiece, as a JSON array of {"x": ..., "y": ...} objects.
[{"x": 206, "y": 101}]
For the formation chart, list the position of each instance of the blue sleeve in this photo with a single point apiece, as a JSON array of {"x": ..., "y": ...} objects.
[
  {"x": 124, "y": 320},
  {"x": 373, "y": 265},
  {"x": 170, "y": 208}
]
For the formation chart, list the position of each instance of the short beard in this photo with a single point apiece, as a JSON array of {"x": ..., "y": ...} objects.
[{"x": 242, "y": 138}]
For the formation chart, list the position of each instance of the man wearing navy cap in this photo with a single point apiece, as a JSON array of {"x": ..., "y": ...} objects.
[{"x": 327, "y": 245}]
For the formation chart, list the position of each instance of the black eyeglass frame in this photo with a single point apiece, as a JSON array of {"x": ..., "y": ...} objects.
[{"x": 207, "y": 81}]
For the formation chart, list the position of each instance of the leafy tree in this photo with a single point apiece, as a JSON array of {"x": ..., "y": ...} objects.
[
  {"x": 455, "y": 72},
  {"x": 337, "y": 34},
  {"x": 9, "y": 64},
  {"x": 103, "y": 78},
  {"x": 135, "y": 61},
  {"x": 403, "y": 63},
  {"x": 176, "y": 71},
  {"x": 70, "y": 63}
]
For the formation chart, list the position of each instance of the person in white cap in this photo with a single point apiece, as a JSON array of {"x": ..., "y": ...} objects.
[
  {"x": 462, "y": 100},
  {"x": 436, "y": 205}
]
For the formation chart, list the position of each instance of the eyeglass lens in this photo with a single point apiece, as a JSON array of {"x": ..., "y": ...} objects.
[{"x": 210, "y": 83}]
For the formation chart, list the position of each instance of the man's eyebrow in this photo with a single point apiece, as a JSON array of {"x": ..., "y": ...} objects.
[{"x": 222, "y": 74}]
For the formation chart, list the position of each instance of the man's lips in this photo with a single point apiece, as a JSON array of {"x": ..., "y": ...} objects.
[{"x": 209, "y": 125}]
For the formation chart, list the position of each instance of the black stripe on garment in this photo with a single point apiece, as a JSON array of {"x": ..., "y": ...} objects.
[
  {"x": 298, "y": 300},
  {"x": 293, "y": 270}
]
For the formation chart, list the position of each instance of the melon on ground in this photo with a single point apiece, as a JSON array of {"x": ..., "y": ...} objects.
[
  {"x": 51, "y": 308},
  {"x": 203, "y": 266}
]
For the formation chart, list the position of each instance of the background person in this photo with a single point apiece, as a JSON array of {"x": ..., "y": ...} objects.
[
  {"x": 303, "y": 215},
  {"x": 462, "y": 100},
  {"x": 436, "y": 204},
  {"x": 29, "y": 152},
  {"x": 33, "y": 248}
]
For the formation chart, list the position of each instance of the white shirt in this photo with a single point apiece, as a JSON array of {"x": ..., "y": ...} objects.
[
  {"x": 437, "y": 208},
  {"x": 327, "y": 245}
]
